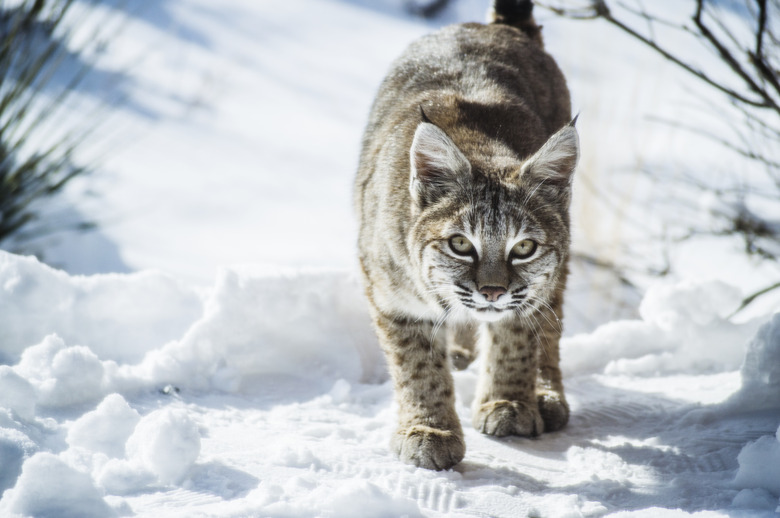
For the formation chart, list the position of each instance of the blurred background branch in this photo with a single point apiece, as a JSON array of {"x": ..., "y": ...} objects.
[{"x": 743, "y": 37}]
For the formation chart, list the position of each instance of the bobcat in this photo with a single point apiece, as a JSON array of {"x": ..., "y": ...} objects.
[{"x": 462, "y": 195}]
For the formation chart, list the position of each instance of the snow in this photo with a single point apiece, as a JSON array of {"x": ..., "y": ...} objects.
[
  {"x": 683, "y": 328},
  {"x": 166, "y": 443},
  {"x": 105, "y": 429},
  {"x": 50, "y": 487},
  {"x": 208, "y": 351},
  {"x": 759, "y": 465},
  {"x": 761, "y": 369},
  {"x": 274, "y": 402}
]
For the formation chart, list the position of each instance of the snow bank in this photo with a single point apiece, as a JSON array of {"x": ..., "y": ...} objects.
[
  {"x": 761, "y": 370},
  {"x": 78, "y": 339},
  {"x": 87, "y": 420},
  {"x": 61, "y": 375},
  {"x": 683, "y": 328},
  {"x": 49, "y": 487},
  {"x": 119, "y": 317},
  {"x": 256, "y": 323},
  {"x": 759, "y": 461},
  {"x": 83, "y": 345},
  {"x": 759, "y": 474}
]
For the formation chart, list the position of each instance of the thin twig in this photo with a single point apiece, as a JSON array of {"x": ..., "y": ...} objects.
[{"x": 749, "y": 299}]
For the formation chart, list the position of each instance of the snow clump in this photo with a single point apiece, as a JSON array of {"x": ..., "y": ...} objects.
[
  {"x": 61, "y": 375},
  {"x": 759, "y": 471},
  {"x": 760, "y": 371},
  {"x": 118, "y": 316},
  {"x": 16, "y": 393},
  {"x": 166, "y": 442},
  {"x": 50, "y": 487},
  {"x": 683, "y": 329},
  {"x": 160, "y": 452},
  {"x": 105, "y": 429},
  {"x": 759, "y": 461}
]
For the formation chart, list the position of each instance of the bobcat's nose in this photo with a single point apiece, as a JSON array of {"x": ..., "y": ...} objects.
[{"x": 492, "y": 293}]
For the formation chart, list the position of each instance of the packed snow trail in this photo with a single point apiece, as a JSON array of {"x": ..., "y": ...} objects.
[{"x": 273, "y": 401}]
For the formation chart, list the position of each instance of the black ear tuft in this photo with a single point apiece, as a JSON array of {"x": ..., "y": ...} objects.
[{"x": 424, "y": 116}]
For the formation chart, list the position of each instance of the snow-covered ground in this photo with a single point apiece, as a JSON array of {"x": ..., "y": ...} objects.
[
  {"x": 235, "y": 373},
  {"x": 125, "y": 394}
]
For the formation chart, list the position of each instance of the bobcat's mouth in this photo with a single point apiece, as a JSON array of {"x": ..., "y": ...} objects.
[{"x": 489, "y": 313}]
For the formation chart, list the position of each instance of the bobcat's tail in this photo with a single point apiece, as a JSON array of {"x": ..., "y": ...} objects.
[{"x": 517, "y": 13}]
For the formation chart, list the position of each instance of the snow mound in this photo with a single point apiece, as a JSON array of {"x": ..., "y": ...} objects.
[
  {"x": 61, "y": 375},
  {"x": 48, "y": 487},
  {"x": 759, "y": 471},
  {"x": 258, "y": 323},
  {"x": 761, "y": 370},
  {"x": 166, "y": 443},
  {"x": 119, "y": 317},
  {"x": 683, "y": 328},
  {"x": 759, "y": 461},
  {"x": 358, "y": 499},
  {"x": 126, "y": 453},
  {"x": 254, "y": 323},
  {"x": 105, "y": 429},
  {"x": 16, "y": 393},
  {"x": 261, "y": 407},
  {"x": 15, "y": 448}
]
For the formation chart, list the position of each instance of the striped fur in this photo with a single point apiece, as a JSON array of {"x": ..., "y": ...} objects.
[{"x": 466, "y": 160}]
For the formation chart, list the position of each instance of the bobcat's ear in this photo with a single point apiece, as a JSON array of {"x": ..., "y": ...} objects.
[
  {"x": 555, "y": 161},
  {"x": 436, "y": 164}
]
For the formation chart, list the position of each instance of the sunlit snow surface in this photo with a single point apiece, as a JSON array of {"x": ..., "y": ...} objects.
[
  {"x": 273, "y": 401},
  {"x": 195, "y": 387}
]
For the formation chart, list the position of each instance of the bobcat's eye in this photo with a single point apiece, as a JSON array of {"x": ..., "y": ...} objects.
[
  {"x": 524, "y": 249},
  {"x": 460, "y": 245}
]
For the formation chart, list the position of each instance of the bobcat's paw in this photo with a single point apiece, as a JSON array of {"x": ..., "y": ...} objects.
[
  {"x": 501, "y": 418},
  {"x": 429, "y": 448},
  {"x": 554, "y": 410},
  {"x": 460, "y": 357}
]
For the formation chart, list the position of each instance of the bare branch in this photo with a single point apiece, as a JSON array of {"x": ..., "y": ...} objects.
[
  {"x": 761, "y": 28},
  {"x": 730, "y": 60},
  {"x": 752, "y": 155},
  {"x": 599, "y": 9},
  {"x": 748, "y": 300}
]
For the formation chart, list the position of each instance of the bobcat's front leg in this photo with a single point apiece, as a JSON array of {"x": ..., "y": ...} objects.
[
  {"x": 506, "y": 402},
  {"x": 429, "y": 434}
]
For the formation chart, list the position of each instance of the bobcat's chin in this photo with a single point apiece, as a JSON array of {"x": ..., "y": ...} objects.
[{"x": 490, "y": 314}]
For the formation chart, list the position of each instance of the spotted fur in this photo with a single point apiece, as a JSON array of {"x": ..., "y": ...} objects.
[{"x": 469, "y": 139}]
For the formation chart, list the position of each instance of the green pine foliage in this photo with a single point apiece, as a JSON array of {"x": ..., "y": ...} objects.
[{"x": 32, "y": 49}]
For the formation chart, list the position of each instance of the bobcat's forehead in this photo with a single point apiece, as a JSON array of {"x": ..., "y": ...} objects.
[{"x": 493, "y": 214}]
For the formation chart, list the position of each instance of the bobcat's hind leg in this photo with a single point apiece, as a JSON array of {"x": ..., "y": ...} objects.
[
  {"x": 549, "y": 392},
  {"x": 549, "y": 383},
  {"x": 461, "y": 344}
]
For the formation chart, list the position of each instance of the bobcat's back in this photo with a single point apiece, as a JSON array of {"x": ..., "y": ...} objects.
[{"x": 491, "y": 88}]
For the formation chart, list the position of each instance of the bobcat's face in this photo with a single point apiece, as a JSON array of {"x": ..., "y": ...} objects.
[
  {"x": 490, "y": 246},
  {"x": 492, "y": 263}
]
